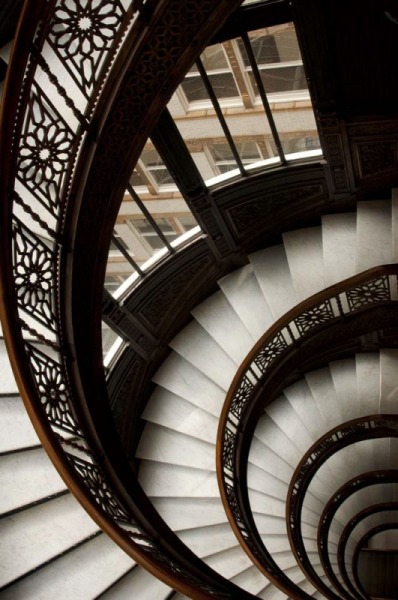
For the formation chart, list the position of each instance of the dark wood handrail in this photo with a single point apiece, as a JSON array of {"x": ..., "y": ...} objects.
[
  {"x": 347, "y": 531},
  {"x": 143, "y": 536},
  {"x": 231, "y": 425},
  {"x": 341, "y": 495}
]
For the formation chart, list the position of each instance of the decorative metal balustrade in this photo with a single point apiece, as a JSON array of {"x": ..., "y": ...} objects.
[
  {"x": 375, "y": 287},
  {"x": 68, "y": 56},
  {"x": 348, "y": 489}
]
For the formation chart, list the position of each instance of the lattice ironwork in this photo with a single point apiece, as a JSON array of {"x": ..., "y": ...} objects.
[
  {"x": 34, "y": 265},
  {"x": 228, "y": 449},
  {"x": 268, "y": 354},
  {"x": 322, "y": 313},
  {"x": 369, "y": 293},
  {"x": 241, "y": 396},
  {"x": 94, "y": 480},
  {"x": 45, "y": 151},
  {"x": 52, "y": 391},
  {"x": 82, "y": 34}
]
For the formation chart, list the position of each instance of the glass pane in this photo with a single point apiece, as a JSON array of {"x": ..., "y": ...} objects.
[
  {"x": 281, "y": 79},
  {"x": 223, "y": 84},
  {"x": 155, "y": 166},
  {"x": 273, "y": 45},
  {"x": 213, "y": 59}
]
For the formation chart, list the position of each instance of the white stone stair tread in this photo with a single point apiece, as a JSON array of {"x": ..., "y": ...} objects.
[
  {"x": 82, "y": 573},
  {"x": 368, "y": 382},
  {"x": 17, "y": 430},
  {"x": 60, "y": 522},
  {"x": 268, "y": 460},
  {"x": 178, "y": 376},
  {"x": 229, "y": 562},
  {"x": 163, "y": 406},
  {"x": 206, "y": 541},
  {"x": 339, "y": 246},
  {"x": 263, "y": 482},
  {"x": 164, "y": 445},
  {"x": 345, "y": 382},
  {"x": 7, "y": 380},
  {"x": 186, "y": 513},
  {"x": 263, "y": 503},
  {"x": 374, "y": 234},
  {"x": 172, "y": 480},
  {"x": 271, "y": 592},
  {"x": 272, "y": 271},
  {"x": 27, "y": 477},
  {"x": 138, "y": 584},
  {"x": 270, "y": 524},
  {"x": 283, "y": 415},
  {"x": 200, "y": 349},
  {"x": 243, "y": 292},
  {"x": 303, "y": 403},
  {"x": 322, "y": 388},
  {"x": 251, "y": 580},
  {"x": 389, "y": 383},
  {"x": 222, "y": 323},
  {"x": 275, "y": 439},
  {"x": 304, "y": 254}
]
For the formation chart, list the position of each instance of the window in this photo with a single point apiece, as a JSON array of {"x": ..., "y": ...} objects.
[
  {"x": 219, "y": 73},
  {"x": 155, "y": 167},
  {"x": 223, "y": 157},
  {"x": 278, "y": 58}
]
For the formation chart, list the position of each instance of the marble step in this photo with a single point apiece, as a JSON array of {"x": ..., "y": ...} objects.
[
  {"x": 217, "y": 316},
  {"x": 338, "y": 248},
  {"x": 243, "y": 292},
  {"x": 374, "y": 234},
  {"x": 84, "y": 572},
  {"x": 273, "y": 274},
  {"x": 61, "y": 522},
  {"x": 27, "y": 477},
  {"x": 303, "y": 249}
]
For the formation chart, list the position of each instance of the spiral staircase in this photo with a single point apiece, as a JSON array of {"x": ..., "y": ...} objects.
[{"x": 250, "y": 451}]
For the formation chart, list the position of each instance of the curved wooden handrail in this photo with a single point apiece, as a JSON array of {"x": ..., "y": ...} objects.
[
  {"x": 370, "y": 427},
  {"x": 249, "y": 379},
  {"x": 44, "y": 368},
  {"x": 332, "y": 506},
  {"x": 347, "y": 531},
  {"x": 360, "y": 545}
]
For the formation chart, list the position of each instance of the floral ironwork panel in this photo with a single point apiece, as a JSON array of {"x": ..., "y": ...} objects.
[
  {"x": 52, "y": 391},
  {"x": 82, "y": 33},
  {"x": 34, "y": 266},
  {"x": 45, "y": 151},
  {"x": 314, "y": 316},
  {"x": 228, "y": 449},
  {"x": 94, "y": 479},
  {"x": 270, "y": 352},
  {"x": 240, "y": 398},
  {"x": 369, "y": 293}
]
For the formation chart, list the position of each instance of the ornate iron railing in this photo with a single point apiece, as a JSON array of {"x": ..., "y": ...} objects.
[
  {"x": 369, "y": 427},
  {"x": 69, "y": 57},
  {"x": 347, "y": 532},
  {"x": 342, "y": 494},
  {"x": 375, "y": 287}
]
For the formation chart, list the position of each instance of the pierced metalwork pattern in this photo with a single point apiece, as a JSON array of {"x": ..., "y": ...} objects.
[
  {"x": 375, "y": 291},
  {"x": 94, "y": 480},
  {"x": 82, "y": 33},
  {"x": 268, "y": 354},
  {"x": 52, "y": 391},
  {"x": 243, "y": 393},
  {"x": 45, "y": 151},
  {"x": 318, "y": 315},
  {"x": 228, "y": 449},
  {"x": 34, "y": 273},
  {"x": 256, "y": 369}
]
